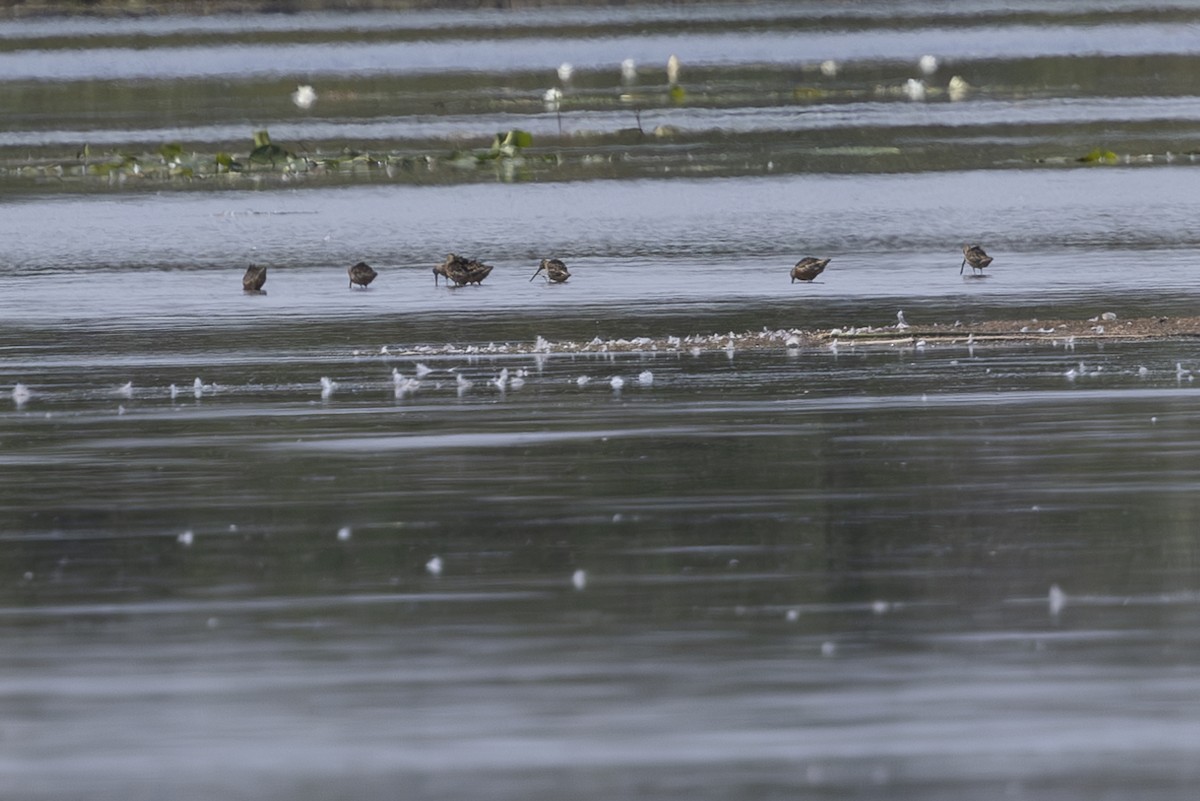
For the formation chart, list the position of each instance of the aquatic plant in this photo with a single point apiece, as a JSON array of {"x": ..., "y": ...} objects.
[
  {"x": 266, "y": 152},
  {"x": 1099, "y": 156}
]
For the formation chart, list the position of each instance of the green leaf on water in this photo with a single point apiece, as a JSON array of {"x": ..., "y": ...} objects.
[
  {"x": 509, "y": 143},
  {"x": 269, "y": 154},
  {"x": 1099, "y": 156},
  {"x": 518, "y": 138},
  {"x": 261, "y": 138},
  {"x": 677, "y": 94},
  {"x": 227, "y": 163},
  {"x": 171, "y": 151}
]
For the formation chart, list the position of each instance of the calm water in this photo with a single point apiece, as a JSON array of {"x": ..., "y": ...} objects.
[{"x": 241, "y": 563}]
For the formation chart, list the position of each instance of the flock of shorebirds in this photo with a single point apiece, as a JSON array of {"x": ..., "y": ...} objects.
[
  {"x": 461, "y": 271},
  {"x": 456, "y": 269}
]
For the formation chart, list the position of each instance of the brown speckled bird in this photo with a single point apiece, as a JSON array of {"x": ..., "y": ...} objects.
[
  {"x": 255, "y": 277},
  {"x": 361, "y": 274},
  {"x": 808, "y": 268},
  {"x": 556, "y": 271},
  {"x": 461, "y": 271},
  {"x": 974, "y": 256}
]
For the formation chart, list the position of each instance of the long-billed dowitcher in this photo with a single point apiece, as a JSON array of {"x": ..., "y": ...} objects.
[
  {"x": 974, "y": 256},
  {"x": 556, "y": 271},
  {"x": 361, "y": 274},
  {"x": 808, "y": 268},
  {"x": 461, "y": 270},
  {"x": 255, "y": 277}
]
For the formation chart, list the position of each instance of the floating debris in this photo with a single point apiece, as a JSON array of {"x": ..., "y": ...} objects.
[
  {"x": 914, "y": 89},
  {"x": 629, "y": 71},
  {"x": 304, "y": 96},
  {"x": 958, "y": 89},
  {"x": 21, "y": 395},
  {"x": 1057, "y": 600},
  {"x": 463, "y": 384}
]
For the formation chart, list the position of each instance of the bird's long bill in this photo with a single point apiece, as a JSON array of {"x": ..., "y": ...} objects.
[{"x": 535, "y": 273}]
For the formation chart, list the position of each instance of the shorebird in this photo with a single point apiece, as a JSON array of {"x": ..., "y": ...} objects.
[
  {"x": 461, "y": 270},
  {"x": 808, "y": 268},
  {"x": 556, "y": 271},
  {"x": 254, "y": 278},
  {"x": 361, "y": 274},
  {"x": 974, "y": 255}
]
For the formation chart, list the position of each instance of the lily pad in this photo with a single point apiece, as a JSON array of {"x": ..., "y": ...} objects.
[{"x": 1099, "y": 156}]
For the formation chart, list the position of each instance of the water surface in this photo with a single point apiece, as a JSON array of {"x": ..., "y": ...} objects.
[{"x": 249, "y": 558}]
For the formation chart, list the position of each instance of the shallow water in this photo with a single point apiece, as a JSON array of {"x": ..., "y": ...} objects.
[{"x": 886, "y": 572}]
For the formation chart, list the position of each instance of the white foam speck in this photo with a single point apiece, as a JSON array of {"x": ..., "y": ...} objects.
[
  {"x": 186, "y": 538},
  {"x": 645, "y": 378},
  {"x": 423, "y": 370},
  {"x": 343, "y": 534},
  {"x": 21, "y": 395},
  {"x": 616, "y": 382},
  {"x": 583, "y": 380},
  {"x": 304, "y": 96},
  {"x": 327, "y": 387},
  {"x": 828, "y": 648},
  {"x": 434, "y": 566},
  {"x": 1057, "y": 600},
  {"x": 914, "y": 89},
  {"x": 126, "y": 390},
  {"x": 579, "y": 579}
]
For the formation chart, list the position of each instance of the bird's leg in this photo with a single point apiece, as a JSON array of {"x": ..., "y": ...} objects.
[{"x": 962, "y": 266}]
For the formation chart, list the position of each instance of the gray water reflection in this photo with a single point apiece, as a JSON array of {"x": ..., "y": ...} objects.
[{"x": 820, "y": 574}]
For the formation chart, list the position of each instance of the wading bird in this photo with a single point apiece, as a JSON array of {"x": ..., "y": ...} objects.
[
  {"x": 461, "y": 270},
  {"x": 255, "y": 277},
  {"x": 361, "y": 274},
  {"x": 808, "y": 268},
  {"x": 556, "y": 271},
  {"x": 974, "y": 255}
]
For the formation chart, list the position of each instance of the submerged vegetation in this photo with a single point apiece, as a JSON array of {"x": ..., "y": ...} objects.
[
  {"x": 172, "y": 162},
  {"x": 511, "y": 156}
]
